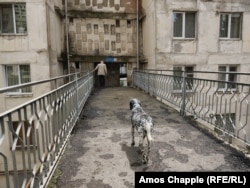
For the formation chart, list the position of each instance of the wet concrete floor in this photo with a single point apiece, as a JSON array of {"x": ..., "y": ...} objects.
[{"x": 99, "y": 153}]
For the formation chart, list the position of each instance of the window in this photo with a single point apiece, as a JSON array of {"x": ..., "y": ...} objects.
[
  {"x": 117, "y": 23},
  {"x": 22, "y": 129},
  {"x": 230, "y": 25},
  {"x": 112, "y": 29},
  {"x": 106, "y": 29},
  {"x": 128, "y": 24},
  {"x": 13, "y": 18},
  {"x": 228, "y": 74},
  {"x": 18, "y": 74},
  {"x": 118, "y": 37},
  {"x": 113, "y": 45},
  {"x": 106, "y": 44},
  {"x": 184, "y": 24},
  {"x": 179, "y": 72},
  {"x": 95, "y": 29},
  {"x": 226, "y": 122},
  {"x": 89, "y": 28}
]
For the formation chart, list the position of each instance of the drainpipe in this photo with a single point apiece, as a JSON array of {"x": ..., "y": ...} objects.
[
  {"x": 67, "y": 34},
  {"x": 155, "y": 30},
  {"x": 137, "y": 42}
]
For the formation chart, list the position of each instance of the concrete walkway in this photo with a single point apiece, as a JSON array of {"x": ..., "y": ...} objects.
[{"x": 99, "y": 153}]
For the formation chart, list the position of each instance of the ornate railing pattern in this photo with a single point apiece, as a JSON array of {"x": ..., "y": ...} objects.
[
  {"x": 33, "y": 135},
  {"x": 222, "y": 105}
]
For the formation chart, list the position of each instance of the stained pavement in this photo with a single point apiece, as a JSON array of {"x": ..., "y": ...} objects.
[{"x": 99, "y": 152}]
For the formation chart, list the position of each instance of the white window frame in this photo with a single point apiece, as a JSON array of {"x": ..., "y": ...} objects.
[
  {"x": 183, "y": 25},
  {"x": 229, "y": 25},
  {"x": 227, "y": 78},
  {"x": 16, "y": 30},
  {"x": 20, "y": 90}
]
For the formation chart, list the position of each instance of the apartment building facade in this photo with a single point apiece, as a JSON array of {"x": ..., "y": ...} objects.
[
  {"x": 202, "y": 35},
  {"x": 104, "y": 30},
  {"x": 37, "y": 43},
  {"x": 182, "y": 35},
  {"x": 31, "y": 44},
  {"x": 191, "y": 35}
]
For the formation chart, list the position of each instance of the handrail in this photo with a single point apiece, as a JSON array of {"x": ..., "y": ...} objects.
[
  {"x": 34, "y": 134},
  {"x": 6, "y": 89},
  {"x": 223, "y": 105}
]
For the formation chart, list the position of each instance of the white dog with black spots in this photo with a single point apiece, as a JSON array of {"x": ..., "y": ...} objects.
[{"x": 143, "y": 123}]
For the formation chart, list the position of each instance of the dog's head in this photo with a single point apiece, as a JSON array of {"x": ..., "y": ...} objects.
[{"x": 134, "y": 102}]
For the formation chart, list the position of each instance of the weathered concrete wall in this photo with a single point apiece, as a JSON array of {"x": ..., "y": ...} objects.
[
  {"x": 40, "y": 47},
  {"x": 93, "y": 28},
  {"x": 149, "y": 32},
  {"x": 128, "y": 6},
  {"x": 207, "y": 50},
  {"x": 88, "y": 36},
  {"x": 56, "y": 41},
  {"x": 103, "y": 28},
  {"x": 204, "y": 52}
]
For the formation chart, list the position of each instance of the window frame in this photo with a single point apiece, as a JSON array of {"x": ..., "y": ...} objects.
[
  {"x": 129, "y": 23},
  {"x": 96, "y": 29},
  {"x": 227, "y": 78},
  {"x": 106, "y": 29},
  {"x": 14, "y": 20},
  {"x": 183, "y": 13},
  {"x": 228, "y": 37},
  {"x": 19, "y": 91},
  {"x": 117, "y": 23}
]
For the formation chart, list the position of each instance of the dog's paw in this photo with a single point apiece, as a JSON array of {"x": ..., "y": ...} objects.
[{"x": 145, "y": 159}]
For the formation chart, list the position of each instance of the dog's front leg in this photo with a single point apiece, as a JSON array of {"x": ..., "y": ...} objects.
[{"x": 133, "y": 135}]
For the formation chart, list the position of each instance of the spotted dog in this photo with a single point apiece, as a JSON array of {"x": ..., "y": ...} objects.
[{"x": 144, "y": 126}]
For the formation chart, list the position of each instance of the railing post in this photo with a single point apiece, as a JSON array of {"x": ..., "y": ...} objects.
[
  {"x": 88, "y": 83},
  {"x": 183, "y": 105},
  {"x": 77, "y": 106},
  {"x": 148, "y": 83}
]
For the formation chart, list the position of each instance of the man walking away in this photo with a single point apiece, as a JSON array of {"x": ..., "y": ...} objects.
[{"x": 101, "y": 72}]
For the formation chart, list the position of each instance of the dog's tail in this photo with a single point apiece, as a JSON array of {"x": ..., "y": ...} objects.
[{"x": 148, "y": 128}]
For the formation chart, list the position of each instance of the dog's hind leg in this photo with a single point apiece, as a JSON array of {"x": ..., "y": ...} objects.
[
  {"x": 142, "y": 137},
  {"x": 133, "y": 135},
  {"x": 146, "y": 154}
]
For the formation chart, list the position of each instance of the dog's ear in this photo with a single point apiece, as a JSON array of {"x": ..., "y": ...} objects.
[
  {"x": 139, "y": 103},
  {"x": 131, "y": 104}
]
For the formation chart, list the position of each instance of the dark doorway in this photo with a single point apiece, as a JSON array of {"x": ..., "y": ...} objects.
[{"x": 113, "y": 77}]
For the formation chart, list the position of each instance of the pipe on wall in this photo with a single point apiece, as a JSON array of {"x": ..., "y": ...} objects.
[
  {"x": 137, "y": 28},
  {"x": 67, "y": 33}
]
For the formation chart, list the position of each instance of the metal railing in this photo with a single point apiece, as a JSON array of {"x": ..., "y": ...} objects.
[
  {"x": 34, "y": 134},
  {"x": 221, "y": 105}
]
